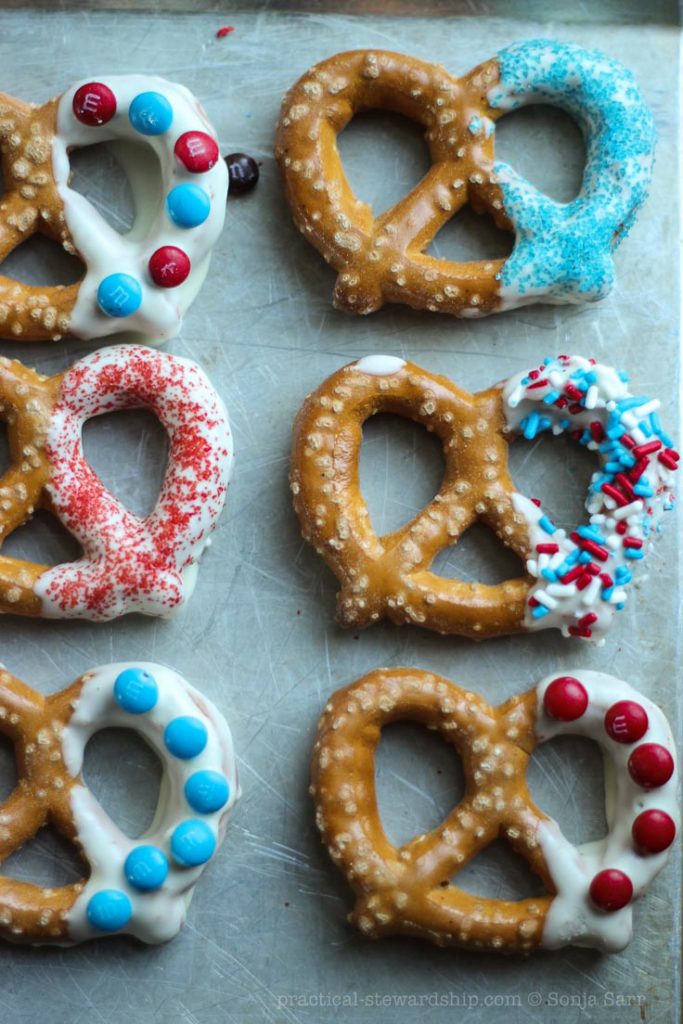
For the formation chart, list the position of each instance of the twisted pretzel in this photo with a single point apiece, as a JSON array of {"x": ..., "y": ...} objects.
[
  {"x": 123, "y": 892},
  {"x": 408, "y": 890},
  {"x": 562, "y": 252},
  {"x": 128, "y": 563},
  {"x": 143, "y": 281},
  {"x": 575, "y": 582}
]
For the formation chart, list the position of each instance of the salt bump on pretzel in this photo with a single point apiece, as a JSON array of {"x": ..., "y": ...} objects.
[
  {"x": 140, "y": 886},
  {"x": 562, "y": 252},
  {"x": 149, "y": 564},
  {"x": 575, "y": 581},
  {"x": 410, "y": 890},
  {"x": 141, "y": 282}
]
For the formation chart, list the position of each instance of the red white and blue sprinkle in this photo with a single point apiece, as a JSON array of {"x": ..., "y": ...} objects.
[{"x": 582, "y": 576}]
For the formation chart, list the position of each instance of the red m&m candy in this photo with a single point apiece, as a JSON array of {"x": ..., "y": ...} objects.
[
  {"x": 611, "y": 889},
  {"x": 653, "y": 831},
  {"x": 169, "y": 266},
  {"x": 197, "y": 151},
  {"x": 626, "y": 721},
  {"x": 651, "y": 765},
  {"x": 565, "y": 699},
  {"x": 94, "y": 104}
]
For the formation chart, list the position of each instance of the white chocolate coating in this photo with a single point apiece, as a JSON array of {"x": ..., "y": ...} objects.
[
  {"x": 158, "y": 915},
  {"x": 572, "y": 917},
  {"x": 153, "y": 171},
  {"x": 379, "y": 365}
]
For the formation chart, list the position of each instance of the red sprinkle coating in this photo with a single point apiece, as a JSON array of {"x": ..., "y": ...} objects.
[
  {"x": 647, "y": 449},
  {"x": 224, "y": 31},
  {"x": 129, "y": 563},
  {"x": 612, "y": 491}
]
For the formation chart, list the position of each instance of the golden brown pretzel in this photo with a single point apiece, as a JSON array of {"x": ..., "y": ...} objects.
[
  {"x": 30, "y": 912},
  {"x": 589, "y": 890},
  {"x": 26, "y": 402},
  {"x": 382, "y": 259},
  {"x": 562, "y": 252},
  {"x": 30, "y": 204},
  {"x": 407, "y": 891},
  {"x": 389, "y": 576}
]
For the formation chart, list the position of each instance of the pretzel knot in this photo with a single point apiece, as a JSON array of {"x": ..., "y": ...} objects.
[
  {"x": 142, "y": 281},
  {"x": 128, "y": 563},
  {"x": 562, "y": 252},
  {"x": 123, "y": 892},
  {"x": 408, "y": 890},
  {"x": 574, "y": 581}
]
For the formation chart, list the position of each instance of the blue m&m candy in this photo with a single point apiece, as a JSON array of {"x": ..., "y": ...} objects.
[
  {"x": 146, "y": 868},
  {"x": 119, "y": 295},
  {"x": 185, "y": 737},
  {"x": 150, "y": 113},
  {"x": 136, "y": 691},
  {"x": 188, "y": 205},
  {"x": 109, "y": 910},
  {"x": 192, "y": 843},
  {"x": 207, "y": 791}
]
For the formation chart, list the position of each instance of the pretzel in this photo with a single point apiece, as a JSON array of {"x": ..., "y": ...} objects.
[
  {"x": 575, "y": 582},
  {"x": 408, "y": 890},
  {"x": 128, "y": 563},
  {"x": 140, "y": 886},
  {"x": 562, "y": 252},
  {"x": 143, "y": 281}
]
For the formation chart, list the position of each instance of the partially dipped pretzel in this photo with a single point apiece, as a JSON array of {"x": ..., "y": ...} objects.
[
  {"x": 575, "y": 582},
  {"x": 128, "y": 563},
  {"x": 562, "y": 253},
  {"x": 142, "y": 281},
  {"x": 589, "y": 891},
  {"x": 140, "y": 886}
]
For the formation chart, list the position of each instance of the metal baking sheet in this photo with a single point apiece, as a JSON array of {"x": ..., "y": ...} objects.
[{"x": 266, "y": 938}]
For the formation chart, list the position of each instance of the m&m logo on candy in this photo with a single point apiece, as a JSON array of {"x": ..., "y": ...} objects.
[
  {"x": 119, "y": 295},
  {"x": 94, "y": 104},
  {"x": 626, "y": 721},
  {"x": 197, "y": 152},
  {"x": 169, "y": 266}
]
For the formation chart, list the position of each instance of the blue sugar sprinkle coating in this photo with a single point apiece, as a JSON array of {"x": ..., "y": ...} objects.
[{"x": 564, "y": 251}]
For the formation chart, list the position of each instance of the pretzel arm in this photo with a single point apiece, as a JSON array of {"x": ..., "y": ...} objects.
[{"x": 21, "y": 816}]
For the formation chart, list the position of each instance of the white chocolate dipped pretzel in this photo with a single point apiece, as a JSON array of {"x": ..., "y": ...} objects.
[
  {"x": 575, "y": 581},
  {"x": 129, "y": 563},
  {"x": 411, "y": 891},
  {"x": 140, "y": 886},
  {"x": 137, "y": 284}
]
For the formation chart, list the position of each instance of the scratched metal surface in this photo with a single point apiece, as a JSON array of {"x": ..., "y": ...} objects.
[{"x": 266, "y": 935}]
